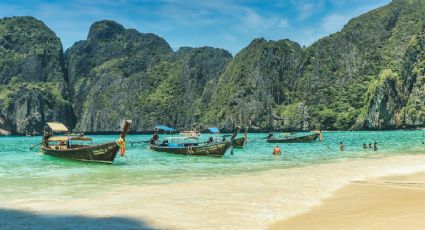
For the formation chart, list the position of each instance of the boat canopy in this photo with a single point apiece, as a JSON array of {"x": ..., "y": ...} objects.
[
  {"x": 214, "y": 130},
  {"x": 164, "y": 128},
  {"x": 57, "y": 127},
  {"x": 65, "y": 138}
]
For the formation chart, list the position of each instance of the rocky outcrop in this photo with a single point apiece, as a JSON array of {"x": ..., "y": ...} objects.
[
  {"x": 33, "y": 89},
  {"x": 370, "y": 75},
  {"x": 292, "y": 117},
  {"x": 384, "y": 102},
  {"x": 341, "y": 68},
  {"x": 414, "y": 83},
  {"x": 108, "y": 74},
  {"x": 120, "y": 73},
  {"x": 332, "y": 78},
  {"x": 201, "y": 68},
  {"x": 260, "y": 77}
]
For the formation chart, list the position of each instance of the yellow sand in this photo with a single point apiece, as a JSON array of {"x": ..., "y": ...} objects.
[
  {"x": 243, "y": 201},
  {"x": 396, "y": 202}
]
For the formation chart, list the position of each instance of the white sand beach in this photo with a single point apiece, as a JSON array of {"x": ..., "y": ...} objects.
[{"x": 245, "y": 201}]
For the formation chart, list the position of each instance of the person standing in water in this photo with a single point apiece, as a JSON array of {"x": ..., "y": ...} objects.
[
  {"x": 320, "y": 135},
  {"x": 364, "y": 146},
  {"x": 375, "y": 146},
  {"x": 341, "y": 147},
  {"x": 370, "y": 145},
  {"x": 277, "y": 150},
  {"x": 154, "y": 139}
]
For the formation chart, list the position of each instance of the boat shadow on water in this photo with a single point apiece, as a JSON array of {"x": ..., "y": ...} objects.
[{"x": 18, "y": 219}]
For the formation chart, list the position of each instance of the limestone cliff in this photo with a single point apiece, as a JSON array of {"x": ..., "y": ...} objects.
[{"x": 33, "y": 86}]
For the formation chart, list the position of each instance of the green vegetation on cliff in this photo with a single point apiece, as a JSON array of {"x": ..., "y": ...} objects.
[
  {"x": 370, "y": 75},
  {"x": 33, "y": 89},
  {"x": 120, "y": 72},
  {"x": 345, "y": 81},
  {"x": 260, "y": 77}
]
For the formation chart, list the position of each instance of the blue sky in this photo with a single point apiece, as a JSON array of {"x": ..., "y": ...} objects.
[{"x": 228, "y": 24}]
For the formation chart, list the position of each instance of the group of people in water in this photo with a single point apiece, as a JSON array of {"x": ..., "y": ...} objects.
[
  {"x": 365, "y": 146},
  {"x": 375, "y": 146},
  {"x": 278, "y": 151}
]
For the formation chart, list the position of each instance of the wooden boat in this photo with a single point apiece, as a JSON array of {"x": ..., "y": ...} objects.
[
  {"x": 239, "y": 142},
  {"x": 294, "y": 139},
  {"x": 196, "y": 149},
  {"x": 104, "y": 153}
]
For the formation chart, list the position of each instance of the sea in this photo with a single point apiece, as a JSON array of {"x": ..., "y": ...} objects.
[{"x": 248, "y": 189}]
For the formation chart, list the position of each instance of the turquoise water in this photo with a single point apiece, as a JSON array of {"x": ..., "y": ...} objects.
[{"x": 26, "y": 173}]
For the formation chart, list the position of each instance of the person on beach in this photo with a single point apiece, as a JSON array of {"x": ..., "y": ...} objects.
[
  {"x": 277, "y": 150},
  {"x": 341, "y": 147},
  {"x": 370, "y": 145},
  {"x": 364, "y": 146},
  {"x": 375, "y": 146}
]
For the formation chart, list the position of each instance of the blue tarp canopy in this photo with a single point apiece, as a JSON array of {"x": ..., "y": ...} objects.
[
  {"x": 164, "y": 128},
  {"x": 214, "y": 130}
]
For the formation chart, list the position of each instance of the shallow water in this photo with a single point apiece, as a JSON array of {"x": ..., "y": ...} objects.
[
  {"x": 247, "y": 190},
  {"x": 25, "y": 172}
]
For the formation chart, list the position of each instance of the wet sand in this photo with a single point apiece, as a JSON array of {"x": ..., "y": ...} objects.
[
  {"x": 244, "y": 201},
  {"x": 394, "y": 202}
]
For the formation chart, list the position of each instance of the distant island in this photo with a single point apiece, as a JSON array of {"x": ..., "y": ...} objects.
[{"x": 368, "y": 76}]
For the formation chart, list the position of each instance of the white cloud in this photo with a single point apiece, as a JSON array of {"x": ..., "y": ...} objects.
[
  {"x": 283, "y": 23},
  {"x": 229, "y": 37},
  {"x": 334, "y": 22},
  {"x": 252, "y": 19},
  {"x": 307, "y": 8},
  {"x": 256, "y": 22}
]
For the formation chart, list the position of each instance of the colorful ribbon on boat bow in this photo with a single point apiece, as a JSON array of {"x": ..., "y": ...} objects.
[{"x": 121, "y": 143}]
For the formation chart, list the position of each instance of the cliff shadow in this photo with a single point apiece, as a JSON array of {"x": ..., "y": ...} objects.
[{"x": 25, "y": 220}]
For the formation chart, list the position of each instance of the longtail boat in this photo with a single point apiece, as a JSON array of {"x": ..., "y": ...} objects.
[
  {"x": 196, "y": 149},
  {"x": 294, "y": 139},
  {"x": 176, "y": 145},
  {"x": 66, "y": 148},
  {"x": 239, "y": 142}
]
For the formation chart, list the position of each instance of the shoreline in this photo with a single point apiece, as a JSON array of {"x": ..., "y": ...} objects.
[
  {"x": 248, "y": 201},
  {"x": 389, "y": 202}
]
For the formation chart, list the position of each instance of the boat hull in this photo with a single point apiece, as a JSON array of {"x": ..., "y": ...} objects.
[
  {"x": 239, "y": 142},
  {"x": 202, "y": 150},
  {"x": 302, "y": 139},
  {"x": 103, "y": 153}
]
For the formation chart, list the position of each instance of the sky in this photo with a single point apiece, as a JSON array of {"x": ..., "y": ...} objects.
[{"x": 228, "y": 24}]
